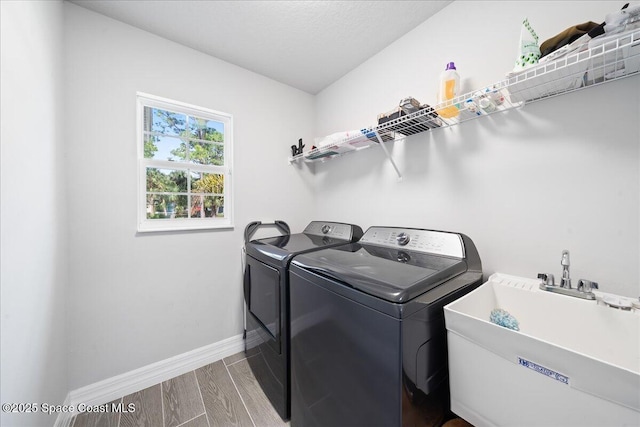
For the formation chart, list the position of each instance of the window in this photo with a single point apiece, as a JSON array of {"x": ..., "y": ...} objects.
[{"x": 184, "y": 165}]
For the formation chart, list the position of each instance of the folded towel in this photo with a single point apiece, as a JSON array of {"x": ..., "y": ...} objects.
[{"x": 503, "y": 318}]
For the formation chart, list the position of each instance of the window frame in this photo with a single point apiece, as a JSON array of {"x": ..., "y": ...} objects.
[{"x": 145, "y": 224}]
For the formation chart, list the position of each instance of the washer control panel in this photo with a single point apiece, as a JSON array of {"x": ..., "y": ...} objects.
[
  {"x": 330, "y": 229},
  {"x": 426, "y": 241}
]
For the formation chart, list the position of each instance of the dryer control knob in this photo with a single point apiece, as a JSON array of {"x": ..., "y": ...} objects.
[
  {"x": 403, "y": 239},
  {"x": 326, "y": 228}
]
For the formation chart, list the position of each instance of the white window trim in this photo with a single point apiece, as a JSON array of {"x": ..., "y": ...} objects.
[{"x": 149, "y": 225}]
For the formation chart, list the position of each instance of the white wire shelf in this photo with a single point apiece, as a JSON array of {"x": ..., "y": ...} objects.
[
  {"x": 424, "y": 120},
  {"x": 602, "y": 60}
]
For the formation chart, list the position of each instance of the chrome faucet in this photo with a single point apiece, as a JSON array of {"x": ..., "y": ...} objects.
[
  {"x": 565, "y": 282},
  {"x": 584, "y": 289}
]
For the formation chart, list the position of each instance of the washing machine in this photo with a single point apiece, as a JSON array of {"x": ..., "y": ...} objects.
[
  {"x": 368, "y": 338},
  {"x": 266, "y": 294}
]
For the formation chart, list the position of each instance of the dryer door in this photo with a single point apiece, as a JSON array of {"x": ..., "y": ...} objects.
[{"x": 262, "y": 295}]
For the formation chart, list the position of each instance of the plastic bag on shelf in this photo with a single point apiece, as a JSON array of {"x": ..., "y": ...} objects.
[
  {"x": 528, "y": 51},
  {"x": 337, "y": 138}
]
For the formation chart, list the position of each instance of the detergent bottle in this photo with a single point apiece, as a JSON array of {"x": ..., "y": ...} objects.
[{"x": 449, "y": 87}]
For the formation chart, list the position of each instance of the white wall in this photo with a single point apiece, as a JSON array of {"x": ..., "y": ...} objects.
[
  {"x": 34, "y": 244},
  {"x": 138, "y": 299},
  {"x": 524, "y": 185}
]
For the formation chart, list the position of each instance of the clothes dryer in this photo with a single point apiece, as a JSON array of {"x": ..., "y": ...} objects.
[{"x": 266, "y": 293}]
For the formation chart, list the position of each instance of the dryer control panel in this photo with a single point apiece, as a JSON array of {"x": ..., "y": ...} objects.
[
  {"x": 418, "y": 240},
  {"x": 335, "y": 230}
]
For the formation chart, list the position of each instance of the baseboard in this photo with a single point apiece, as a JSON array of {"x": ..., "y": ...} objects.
[
  {"x": 64, "y": 418},
  {"x": 121, "y": 385}
]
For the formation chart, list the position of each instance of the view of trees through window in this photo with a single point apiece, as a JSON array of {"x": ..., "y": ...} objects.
[{"x": 181, "y": 182}]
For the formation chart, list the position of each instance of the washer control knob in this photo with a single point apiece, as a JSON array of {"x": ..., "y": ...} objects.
[
  {"x": 403, "y": 239},
  {"x": 326, "y": 228}
]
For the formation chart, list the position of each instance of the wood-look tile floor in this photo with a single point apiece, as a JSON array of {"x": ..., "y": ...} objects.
[{"x": 224, "y": 393}]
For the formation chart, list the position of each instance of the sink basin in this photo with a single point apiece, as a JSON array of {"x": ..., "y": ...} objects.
[{"x": 573, "y": 361}]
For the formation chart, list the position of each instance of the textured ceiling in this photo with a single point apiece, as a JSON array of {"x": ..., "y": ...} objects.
[{"x": 304, "y": 44}]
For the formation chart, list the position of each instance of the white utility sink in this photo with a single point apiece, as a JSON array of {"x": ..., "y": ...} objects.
[{"x": 573, "y": 361}]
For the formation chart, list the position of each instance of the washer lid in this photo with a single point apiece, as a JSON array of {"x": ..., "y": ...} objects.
[
  {"x": 394, "y": 275},
  {"x": 317, "y": 235},
  {"x": 295, "y": 243}
]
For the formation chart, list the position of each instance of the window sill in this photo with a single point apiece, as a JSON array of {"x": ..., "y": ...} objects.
[{"x": 189, "y": 225}]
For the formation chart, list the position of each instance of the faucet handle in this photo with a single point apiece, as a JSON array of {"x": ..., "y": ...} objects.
[
  {"x": 547, "y": 279},
  {"x": 587, "y": 285}
]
